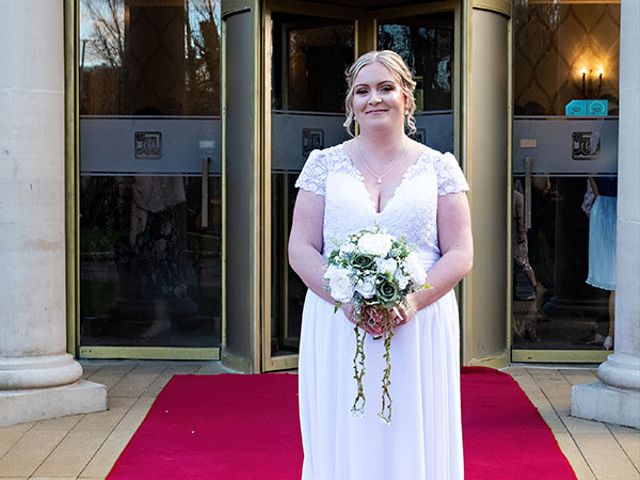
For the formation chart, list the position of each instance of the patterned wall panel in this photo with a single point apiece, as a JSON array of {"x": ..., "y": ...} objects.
[{"x": 554, "y": 43}]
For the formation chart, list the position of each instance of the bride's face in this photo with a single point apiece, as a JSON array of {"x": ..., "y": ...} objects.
[{"x": 378, "y": 101}]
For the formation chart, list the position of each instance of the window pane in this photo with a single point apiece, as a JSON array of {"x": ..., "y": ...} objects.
[
  {"x": 135, "y": 55},
  {"x": 310, "y": 56},
  {"x": 150, "y": 137},
  {"x": 425, "y": 43},
  {"x": 564, "y": 54}
]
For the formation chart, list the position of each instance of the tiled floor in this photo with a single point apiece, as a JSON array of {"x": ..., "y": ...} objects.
[{"x": 86, "y": 446}]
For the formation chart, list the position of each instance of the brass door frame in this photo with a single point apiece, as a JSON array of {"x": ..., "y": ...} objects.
[
  {"x": 559, "y": 356},
  {"x": 72, "y": 173},
  {"x": 365, "y": 25}
]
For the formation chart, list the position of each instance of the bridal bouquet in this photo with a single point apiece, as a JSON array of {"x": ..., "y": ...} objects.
[{"x": 374, "y": 271}]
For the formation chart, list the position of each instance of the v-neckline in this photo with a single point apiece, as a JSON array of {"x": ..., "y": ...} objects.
[{"x": 360, "y": 176}]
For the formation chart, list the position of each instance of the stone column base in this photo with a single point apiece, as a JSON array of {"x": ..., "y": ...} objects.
[
  {"x": 596, "y": 401},
  {"x": 28, "y": 405}
]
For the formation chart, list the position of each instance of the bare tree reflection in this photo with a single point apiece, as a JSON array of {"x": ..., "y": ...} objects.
[
  {"x": 203, "y": 54},
  {"x": 107, "y": 34},
  {"x": 103, "y": 67}
]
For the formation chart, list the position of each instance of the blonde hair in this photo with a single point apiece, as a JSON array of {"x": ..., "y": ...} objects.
[{"x": 398, "y": 68}]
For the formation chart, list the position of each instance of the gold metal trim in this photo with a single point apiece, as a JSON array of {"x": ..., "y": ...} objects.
[
  {"x": 366, "y": 33},
  {"x": 71, "y": 95},
  {"x": 559, "y": 356},
  {"x": 467, "y": 165},
  {"x": 223, "y": 173},
  {"x": 413, "y": 10},
  {"x": 457, "y": 85},
  {"x": 258, "y": 176},
  {"x": 500, "y": 360},
  {"x": 151, "y": 353},
  {"x": 456, "y": 105},
  {"x": 265, "y": 211},
  {"x": 235, "y": 362},
  {"x": 508, "y": 273},
  {"x": 284, "y": 362},
  {"x": 498, "y": 6},
  {"x": 312, "y": 9}
]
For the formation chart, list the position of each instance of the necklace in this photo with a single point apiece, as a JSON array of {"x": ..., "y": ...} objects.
[{"x": 393, "y": 162}]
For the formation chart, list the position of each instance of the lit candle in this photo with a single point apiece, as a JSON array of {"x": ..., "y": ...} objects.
[{"x": 600, "y": 74}]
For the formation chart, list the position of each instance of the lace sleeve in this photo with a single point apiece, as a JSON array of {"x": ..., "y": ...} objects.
[
  {"x": 450, "y": 176},
  {"x": 314, "y": 174}
]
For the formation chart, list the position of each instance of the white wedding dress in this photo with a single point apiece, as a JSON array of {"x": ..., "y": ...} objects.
[{"x": 424, "y": 441}]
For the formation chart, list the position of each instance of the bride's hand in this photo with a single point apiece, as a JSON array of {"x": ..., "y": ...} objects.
[
  {"x": 403, "y": 315},
  {"x": 349, "y": 312}
]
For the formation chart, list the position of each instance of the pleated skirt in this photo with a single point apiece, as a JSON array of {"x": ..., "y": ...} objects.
[
  {"x": 424, "y": 439},
  {"x": 602, "y": 243}
]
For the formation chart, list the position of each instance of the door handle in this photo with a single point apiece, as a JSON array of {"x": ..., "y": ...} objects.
[
  {"x": 204, "y": 210},
  {"x": 528, "y": 161}
]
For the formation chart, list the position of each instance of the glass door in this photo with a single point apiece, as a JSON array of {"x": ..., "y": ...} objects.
[
  {"x": 150, "y": 179},
  {"x": 426, "y": 42},
  {"x": 565, "y": 140},
  {"x": 306, "y": 59},
  {"x": 309, "y": 55}
]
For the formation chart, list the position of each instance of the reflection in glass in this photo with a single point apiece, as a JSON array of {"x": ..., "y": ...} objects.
[
  {"x": 150, "y": 273},
  {"x": 554, "y": 44},
  {"x": 150, "y": 230},
  {"x": 310, "y": 56},
  {"x": 137, "y": 54},
  {"x": 555, "y": 305},
  {"x": 425, "y": 43}
]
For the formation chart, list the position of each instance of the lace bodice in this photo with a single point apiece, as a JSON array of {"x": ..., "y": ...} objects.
[{"x": 411, "y": 211}]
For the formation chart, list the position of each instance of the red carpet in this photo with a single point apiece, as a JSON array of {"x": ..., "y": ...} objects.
[
  {"x": 505, "y": 437},
  {"x": 245, "y": 427}
]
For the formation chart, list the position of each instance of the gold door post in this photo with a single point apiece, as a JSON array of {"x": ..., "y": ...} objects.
[{"x": 486, "y": 149}]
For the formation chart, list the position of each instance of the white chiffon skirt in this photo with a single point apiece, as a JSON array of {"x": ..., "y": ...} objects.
[{"x": 424, "y": 440}]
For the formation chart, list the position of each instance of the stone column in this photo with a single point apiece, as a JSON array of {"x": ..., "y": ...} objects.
[
  {"x": 616, "y": 397},
  {"x": 38, "y": 379}
]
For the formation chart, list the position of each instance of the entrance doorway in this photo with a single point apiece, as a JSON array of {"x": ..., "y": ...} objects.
[
  {"x": 150, "y": 185},
  {"x": 307, "y": 50}
]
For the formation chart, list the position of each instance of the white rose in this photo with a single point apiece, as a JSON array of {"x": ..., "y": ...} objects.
[
  {"x": 387, "y": 266},
  {"x": 347, "y": 248},
  {"x": 366, "y": 287},
  {"x": 375, "y": 243},
  {"x": 402, "y": 280},
  {"x": 331, "y": 271},
  {"x": 414, "y": 268},
  {"x": 340, "y": 284}
]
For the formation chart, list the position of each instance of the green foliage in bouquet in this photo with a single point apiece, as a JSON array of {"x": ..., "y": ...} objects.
[{"x": 375, "y": 272}]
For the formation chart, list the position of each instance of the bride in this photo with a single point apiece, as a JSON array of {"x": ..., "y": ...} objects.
[{"x": 382, "y": 177}]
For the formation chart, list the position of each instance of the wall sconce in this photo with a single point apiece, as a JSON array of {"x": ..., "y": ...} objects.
[{"x": 591, "y": 82}]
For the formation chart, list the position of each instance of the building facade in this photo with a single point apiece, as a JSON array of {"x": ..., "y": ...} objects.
[{"x": 149, "y": 170}]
